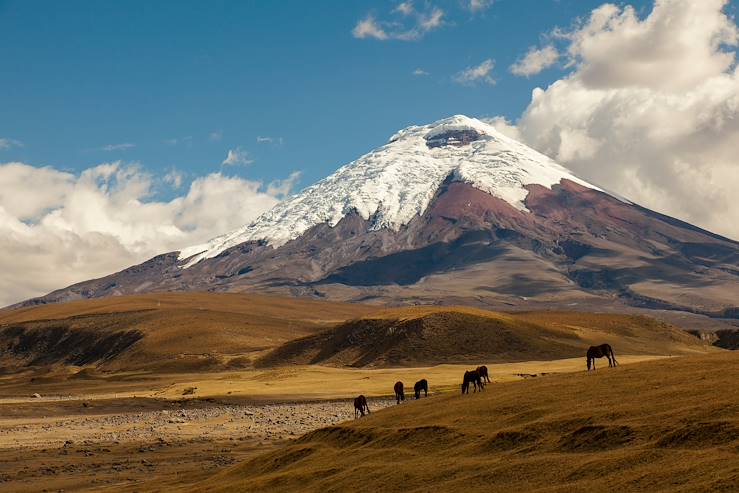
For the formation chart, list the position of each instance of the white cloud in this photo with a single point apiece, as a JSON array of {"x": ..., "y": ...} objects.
[
  {"x": 6, "y": 143},
  {"x": 369, "y": 28},
  {"x": 117, "y": 147},
  {"x": 405, "y": 8},
  {"x": 420, "y": 72},
  {"x": 215, "y": 136},
  {"x": 674, "y": 48},
  {"x": 478, "y": 73},
  {"x": 282, "y": 188},
  {"x": 478, "y": 5},
  {"x": 535, "y": 61},
  {"x": 430, "y": 20},
  {"x": 18, "y": 182},
  {"x": 650, "y": 109},
  {"x": 411, "y": 24},
  {"x": 71, "y": 227},
  {"x": 237, "y": 156},
  {"x": 504, "y": 126}
]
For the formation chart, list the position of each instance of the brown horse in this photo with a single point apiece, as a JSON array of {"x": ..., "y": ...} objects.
[
  {"x": 599, "y": 352},
  {"x": 483, "y": 371},
  {"x": 421, "y": 385},
  {"x": 399, "y": 394},
  {"x": 472, "y": 377},
  {"x": 360, "y": 405}
]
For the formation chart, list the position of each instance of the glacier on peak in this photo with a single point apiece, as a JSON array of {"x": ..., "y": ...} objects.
[{"x": 396, "y": 182}]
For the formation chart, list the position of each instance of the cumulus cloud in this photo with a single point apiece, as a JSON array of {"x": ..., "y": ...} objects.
[
  {"x": 117, "y": 147},
  {"x": 237, "y": 156},
  {"x": 70, "y": 227},
  {"x": 409, "y": 23},
  {"x": 504, "y": 126},
  {"x": 215, "y": 136},
  {"x": 535, "y": 60},
  {"x": 6, "y": 143},
  {"x": 649, "y": 108},
  {"x": 420, "y": 72},
  {"x": 481, "y": 73}
]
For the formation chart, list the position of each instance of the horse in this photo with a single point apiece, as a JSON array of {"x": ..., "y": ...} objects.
[
  {"x": 483, "y": 371},
  {"x": 599, "y": 352},
  {"x": 399, "y": 394},
  {"x": 360, "y": 405},
  {"x": 421, "y": 385},
  {"x": 472, "y": 377}
]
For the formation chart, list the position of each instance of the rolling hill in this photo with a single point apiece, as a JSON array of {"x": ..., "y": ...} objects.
[
  {"x": 421, "y": 336},
  {"x": 185, "y": 332},
  {"x": 162, "y": 331}
]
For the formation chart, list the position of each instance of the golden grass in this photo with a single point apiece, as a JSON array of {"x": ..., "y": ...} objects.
[
  {"x": 307, "y": 382},
  {"x": 183, "y": 333},
  {"x": 189, "y": 331},
  {"x": 236, "y": 303},
  {"x": 668, "y": 425}
]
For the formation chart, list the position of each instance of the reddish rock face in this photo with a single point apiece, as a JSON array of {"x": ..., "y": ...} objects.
[{"x": 573, "y": 243}]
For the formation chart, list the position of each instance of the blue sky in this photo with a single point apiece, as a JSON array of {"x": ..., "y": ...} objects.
[{"x": 78, "y": 76}]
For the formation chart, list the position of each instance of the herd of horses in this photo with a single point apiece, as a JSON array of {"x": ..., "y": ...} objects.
[
  {"x": 478, "y": 378},
  {"x": 421, "y": 385}
]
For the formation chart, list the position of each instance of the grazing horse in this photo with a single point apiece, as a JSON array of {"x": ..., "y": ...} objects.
[
  {"x": 421, "y": 385},
  {"x": 472, "y": 377},
  {"x": 599, "y": 352},
  {"x": 399, "y": 394},
  {"x": 483, "y": 371},
  {"x": 360, "y": 405}
]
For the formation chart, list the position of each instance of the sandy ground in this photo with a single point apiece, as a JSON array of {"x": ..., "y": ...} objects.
[{"x": 139, "y": 433}]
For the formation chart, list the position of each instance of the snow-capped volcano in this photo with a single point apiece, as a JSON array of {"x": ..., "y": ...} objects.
[
  {"x": 396, "y": 182},
  {"x": 453, "y": 212}
]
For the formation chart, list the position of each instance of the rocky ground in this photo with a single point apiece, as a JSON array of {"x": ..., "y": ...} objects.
[{"x": 97, "y": 450}]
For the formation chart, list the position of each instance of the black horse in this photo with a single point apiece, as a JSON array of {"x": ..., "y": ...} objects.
[
  {"x": 483, "y": 371},
  {"x": 421, "y": 385},
  {"x": 399, "y": 394},
  {"x": 472, "y": 377},
  {"x": 360, "y": 405},
  {"x": 599, "y": 352}
]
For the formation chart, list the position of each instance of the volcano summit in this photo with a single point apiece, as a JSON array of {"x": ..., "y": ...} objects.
[{"x": 453, "y": 211}]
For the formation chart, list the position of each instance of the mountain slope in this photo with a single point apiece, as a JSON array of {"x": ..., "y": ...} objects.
[
  {"x": 391, "y": 185},
  {"x": 454, "y": 211}
]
